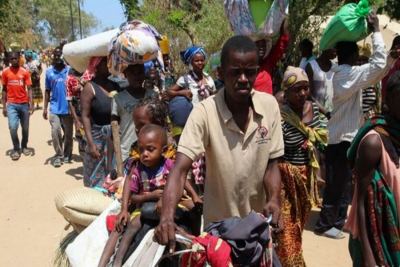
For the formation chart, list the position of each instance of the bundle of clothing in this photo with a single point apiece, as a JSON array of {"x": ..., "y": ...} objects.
[
  {"x": 135, "y": 43},
  {"x": 234, "y": 242}
]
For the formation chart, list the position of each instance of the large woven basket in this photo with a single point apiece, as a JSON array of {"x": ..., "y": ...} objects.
[{"x": 81, "y": 206}]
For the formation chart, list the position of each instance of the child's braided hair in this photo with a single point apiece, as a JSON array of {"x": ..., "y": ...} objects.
[{"x": 157, "y": 109}]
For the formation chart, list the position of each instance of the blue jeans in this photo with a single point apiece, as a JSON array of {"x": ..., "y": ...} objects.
[{"x": 18, "y": 113}]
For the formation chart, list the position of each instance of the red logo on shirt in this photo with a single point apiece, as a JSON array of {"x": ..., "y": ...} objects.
[{"x": 262, "y": 133}]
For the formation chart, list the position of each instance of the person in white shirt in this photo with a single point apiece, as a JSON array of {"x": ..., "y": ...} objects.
[{"x": 348, "y": 82}]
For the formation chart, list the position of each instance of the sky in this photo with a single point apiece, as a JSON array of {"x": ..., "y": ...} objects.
[{"x": 108, "y": 12}]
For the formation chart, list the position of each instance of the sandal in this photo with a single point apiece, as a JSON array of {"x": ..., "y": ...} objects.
[
  {"x": 332, "y": 233},
  {"x": 15, "y": 155}
]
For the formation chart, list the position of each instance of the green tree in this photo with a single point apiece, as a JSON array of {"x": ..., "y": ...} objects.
[
  {"x": 185, "y": 22},
  {"x": 54, "y": 19},
  {"x": 17, "y": 22},
  {"x": 198, "y": 22}
]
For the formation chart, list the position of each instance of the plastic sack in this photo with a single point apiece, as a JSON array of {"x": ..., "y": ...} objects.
[
  {"x": 79, "y": 53},
  {"x": 87, "y": 248},
  {"x": 136, "y": 43},
  {"x": 349, "y": 24},
  {"x": 239, "y": 14}
]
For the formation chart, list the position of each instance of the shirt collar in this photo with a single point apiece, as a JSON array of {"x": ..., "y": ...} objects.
[
  {"x": 339, "y": 68},
  {"x": 224, "y": 111}
]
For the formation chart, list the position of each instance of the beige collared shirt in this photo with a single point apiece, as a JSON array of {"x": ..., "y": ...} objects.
[{"x": 236, "y": 161}]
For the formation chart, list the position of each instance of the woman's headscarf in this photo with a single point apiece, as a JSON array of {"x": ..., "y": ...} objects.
[
  {"x": 188, "y": 54},
  {"x": 365, "y": 50},
  {"x": 268, "y": 42},
  {"x": 91, "y": 70},
  {"x": 28, "y": 53},
  {"x": 292, "y": 76}
]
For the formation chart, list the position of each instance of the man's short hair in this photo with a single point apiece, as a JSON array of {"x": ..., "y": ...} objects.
[
  {"x": 238, "y": 43},
  {"x": 307, "y": 44},
  {"x": 13, "y": 53},
  {"x": 393, "y": 84},
  {"x": 58, "y": 48},
  {"x": 345, "y": 50}
]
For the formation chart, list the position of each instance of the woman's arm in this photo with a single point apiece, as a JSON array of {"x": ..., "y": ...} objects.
[
  {"x": 370, "y": 151},
  {"x": 86, "y": 104},
  {"x": 176, "y": 90},
  {"x": 310, "y": 74}
]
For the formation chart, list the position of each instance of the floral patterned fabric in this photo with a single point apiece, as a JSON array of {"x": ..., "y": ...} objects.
[{"x": 242, "y": 23}]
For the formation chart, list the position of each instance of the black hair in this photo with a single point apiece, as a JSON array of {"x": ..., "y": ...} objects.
[
  {"x": 15, "y": 53},
  {"x": 396, "y": 41},
  {"x": 156, "y": 108},
  {"x": 58, "y": 48},
  {"x": 393, "y": 85},
  {"x": 345, "y": 50},
  {"x": 238, "y": 43},
  {"x": 157, "y": 129},
  {"x": 307, "y": 44}
]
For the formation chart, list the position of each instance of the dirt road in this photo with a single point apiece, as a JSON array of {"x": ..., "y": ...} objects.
[{"x": 31, "y": 227}]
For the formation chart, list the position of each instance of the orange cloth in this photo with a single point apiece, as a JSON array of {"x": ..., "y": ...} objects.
[
  {"x": 16, "y": 80},
  {"x": 391, "y": 174}
]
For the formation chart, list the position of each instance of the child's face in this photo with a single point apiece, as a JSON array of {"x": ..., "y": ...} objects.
[
  {"x": 141, "y": 117},
  {"x": 150, "y": 149},
  {"x": 148, "y": 84},
  {"x": 135, "y": 75}
]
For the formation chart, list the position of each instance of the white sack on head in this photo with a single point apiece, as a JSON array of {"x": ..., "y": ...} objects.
[
  {"x": 136, "y": 43},
  {"x": 79, "y": 53}
]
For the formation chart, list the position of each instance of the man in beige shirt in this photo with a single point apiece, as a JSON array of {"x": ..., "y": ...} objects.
[{"x": 239, "y": 130}]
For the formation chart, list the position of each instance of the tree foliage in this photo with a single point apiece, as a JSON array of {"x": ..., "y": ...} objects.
[
  {"x": 31, "y": 23},
  {"x": 54, "y": 18},
  {"x": 185, "y": 22},
  {"x": 16, "y": 19},
  {"x": 198, "y": 22}
]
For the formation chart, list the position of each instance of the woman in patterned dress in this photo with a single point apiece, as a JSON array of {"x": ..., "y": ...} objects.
[
  {"x": 35, "y": 69},
  {"x": 299, "y": 168}
]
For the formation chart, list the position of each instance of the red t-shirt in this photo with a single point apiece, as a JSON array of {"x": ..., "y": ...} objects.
[
  {"x": 16, "y": 80},
  {"x": 263, "y": 81}
]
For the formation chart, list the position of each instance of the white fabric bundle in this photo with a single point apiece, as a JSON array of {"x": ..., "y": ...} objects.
[{"x": 78, "y": 53}]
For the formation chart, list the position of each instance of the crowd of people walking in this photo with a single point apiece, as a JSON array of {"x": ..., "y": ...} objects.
[{"x": 191, "y": 148}]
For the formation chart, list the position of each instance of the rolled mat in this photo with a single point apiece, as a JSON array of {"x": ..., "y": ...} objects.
[{"x": 81, "y": 205}]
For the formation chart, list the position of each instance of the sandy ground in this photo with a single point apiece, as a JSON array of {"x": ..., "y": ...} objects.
[{"x": 31, "y": 227}]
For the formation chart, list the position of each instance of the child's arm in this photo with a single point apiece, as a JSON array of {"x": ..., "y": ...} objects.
[
  {"x": 192, "y": 193},
  {"x": 150, "y": 197}
]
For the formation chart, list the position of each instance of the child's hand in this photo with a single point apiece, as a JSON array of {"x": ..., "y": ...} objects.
[
  {"x": 198, "y": 205},
  {"x": 159, "y": 207},
  {"x": 157, "y": 193},
  {"x": 121, "y": 220}
]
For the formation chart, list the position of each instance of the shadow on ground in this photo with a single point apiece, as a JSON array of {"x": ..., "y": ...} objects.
[
  {"x": 312, "y": 220},
  {"x": 77, "y": 173},
  {"x": 31, "y": 150}
]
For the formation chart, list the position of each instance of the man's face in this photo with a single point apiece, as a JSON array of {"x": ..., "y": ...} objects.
[
  {"x": 14, "y": 60},
  {"x": 262, "y": 48},
  {"x": 239, "y": 74},
  {"x": 57, "y": 56}
]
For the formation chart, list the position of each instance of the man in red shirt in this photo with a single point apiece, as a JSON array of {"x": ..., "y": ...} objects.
[
  {"x": 268, "y": 61},
  {"x": 18, "y": 105}
]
